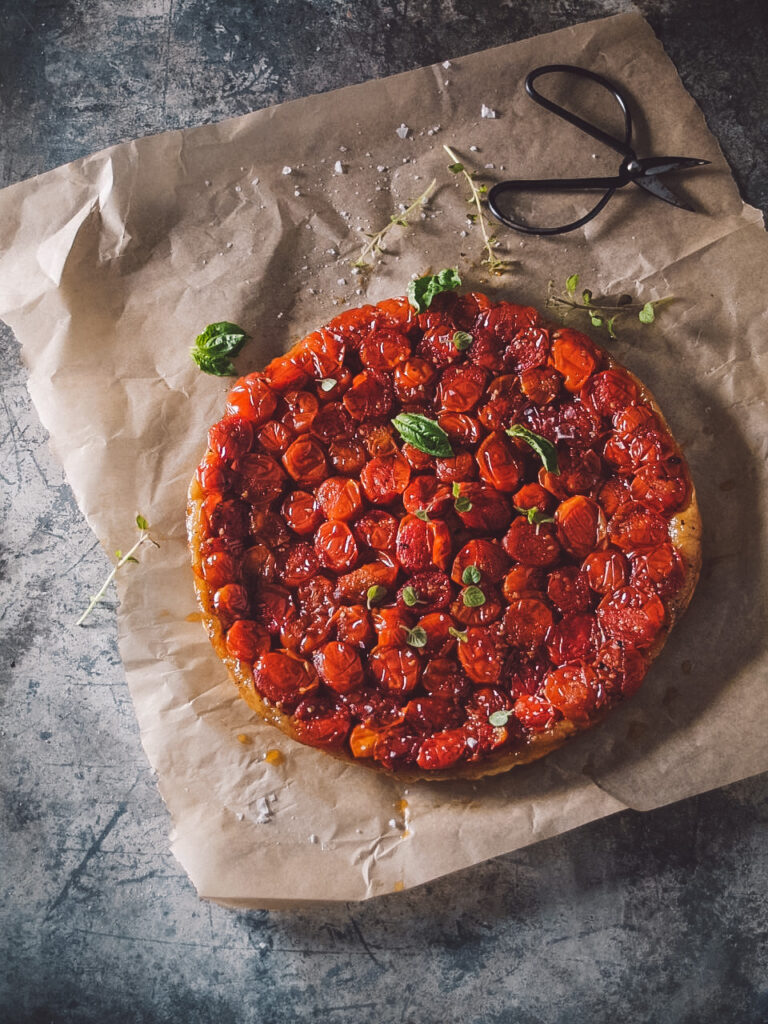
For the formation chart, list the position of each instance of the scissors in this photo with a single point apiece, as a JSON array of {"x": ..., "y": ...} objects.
[{"x": 641, "y": 172}]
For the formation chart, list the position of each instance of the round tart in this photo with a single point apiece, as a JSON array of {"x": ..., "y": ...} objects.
[{"x": 440, "y": 543}]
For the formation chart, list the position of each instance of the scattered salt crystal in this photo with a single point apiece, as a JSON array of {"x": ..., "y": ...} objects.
[
  {"x": 314, "y": 839},
  {"x": 331, "y": 252},
  {"x": 462, "y": 234},
  {"x": 446, "y": 83},
  {"x": 338, "y": 168},
  {"x": 342, "y": 149},
  {"x": 207, "y": 183},
  {"x": 489, "y": 167},
  {"x": 280, "y": 316},
  {"x": 402, "y": 131},
  {"x": 341, "y": 281},
  {"x": 238, "y": 188},
  {"x": 487, "y": 111},
  {"x": 392, "y": 823},
  {"x": 265, "y": 811},
  {"x": 473, "y": 149},
  {"x": 239, "y": 815},
  {"x": 287, "y": 170},
  {"x": 296, "y": 192},
  {"x": 446, "y": 64},
  {"x": 230, "y": 244},
  {"x": 381, "y": 168}
]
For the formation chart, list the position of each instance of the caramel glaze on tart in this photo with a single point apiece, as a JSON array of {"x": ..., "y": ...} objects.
[{"x": 333, "y": 562}]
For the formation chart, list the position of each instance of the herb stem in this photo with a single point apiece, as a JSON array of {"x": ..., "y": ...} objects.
[
  {"x": 396, "y": 220},
  {"x": 127, "y": 557},
  {"x": 491, "y": 260}
]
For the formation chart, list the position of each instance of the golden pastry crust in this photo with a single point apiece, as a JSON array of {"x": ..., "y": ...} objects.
[{"x": 685, "y": 535}]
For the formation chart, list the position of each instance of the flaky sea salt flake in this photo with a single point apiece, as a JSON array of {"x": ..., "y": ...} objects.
[
  {"x": 487, "y": 111},
  {"x": 402, "y": 131}
]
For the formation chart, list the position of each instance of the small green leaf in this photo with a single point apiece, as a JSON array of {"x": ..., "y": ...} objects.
[
  {"x": 461, "y": 341},
  {"x": 142, "y": 523},
  {"x": 571, "y": 284},
  {"x": 410, "y": 597},
  {"x": 455, "y": 168},
  {"x": 375, "y": 595},
  {"x": 499, "y": 718},
  {"x": 471, "y": 575},
  {"x": 586, "y": 296},
  {"x": 118, "y": 554},
  {"x": 422, "y": 291},
  {"x": 213, "y": 348},
  {"x": 423, "y": 514},
  {"x": 473, "y": 597},
  {"x": 416, "y": 637},
  {"x": 535, "y": 516},
  {"x": 462, "y": 505},
  {"x": 130, "y": 558},
  {"x": 423, "y": 433},
  {"x": 597, "y": 321},
  {"x": 647, "y": 314},
  {"x": 455, "y": 489},
  {"x": 543, "y": 448},
  {"x": 460, "y": 635},
  {"x": 609, "y": 324},
  {"x": 328, "y": 383}
]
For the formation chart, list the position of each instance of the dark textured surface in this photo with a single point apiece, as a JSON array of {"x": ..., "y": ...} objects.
[{"x": 658, "y": 917}]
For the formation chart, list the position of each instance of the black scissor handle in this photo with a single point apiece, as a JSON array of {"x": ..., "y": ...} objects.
[
  {"x": 619, "y": 145},
  {"x": 527, "y": 229}
]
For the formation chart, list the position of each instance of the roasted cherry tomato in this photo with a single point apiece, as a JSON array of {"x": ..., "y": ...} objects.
[{"x": 336, "y": 546}]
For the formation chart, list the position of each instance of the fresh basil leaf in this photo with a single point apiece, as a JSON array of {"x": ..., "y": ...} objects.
[
  {"x": 328, "y": 383},
  {"x": 416, "y": 637},
  {"x": 423, "y": 433},
  {"x": 422, "y": 291},
  {"x": 461, "y": 341},
  {"x": 410, "y": 597},
  {"x": 499, "y": 718},
  {"x": 213, "y": 348},
  {"x": 543, "y": 448},
  {"x": 473, "y": 597},
  {"x": 647, "y": 314},
  {"x": 460, "y": 635},
  {"x": 471, "y": 575},
  {"x": 571, "y": 284},
  {"x": 375, "y": 594}
]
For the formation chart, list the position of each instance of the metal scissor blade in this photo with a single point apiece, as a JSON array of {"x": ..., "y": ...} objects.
[
  {"x": 659, "y": 189},
  {"x": 663, "y": 164}
]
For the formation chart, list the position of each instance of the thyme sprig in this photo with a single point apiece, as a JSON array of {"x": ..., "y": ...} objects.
[
  {"x": 603, "y": 311},
  {"x": 399, "y": 219},
  {"x": 495, "y": 264},
  {"x": 122, "y": 559}
]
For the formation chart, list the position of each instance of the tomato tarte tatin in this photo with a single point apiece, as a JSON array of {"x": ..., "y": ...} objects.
[{"x": 440, "y": 543}]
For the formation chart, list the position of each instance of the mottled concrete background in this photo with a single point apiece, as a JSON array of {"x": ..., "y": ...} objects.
[{"x": 656, "y": 918}]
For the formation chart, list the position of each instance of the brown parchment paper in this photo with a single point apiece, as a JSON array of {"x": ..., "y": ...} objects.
[{"x": 112, "y": 264}]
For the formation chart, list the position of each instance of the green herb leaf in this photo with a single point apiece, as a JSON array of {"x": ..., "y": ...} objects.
[
  {"x": 460, "y": 635},
  {"x": 597, "y": 321},
  {"x": 213, "y": 348},
  {"x": 422, "y": 291},
  {"x": 328, "y": 383},
  {"x": 647, "y": 314},
  {"x": 421, "y": 513},
  {"x": 375, "y": 594},
  {"x": 471, "y": 575},
  {"x": 455, "y": 168},
  {"x": 543, "y": 448},
  {"x": 571, "y": 284},
  {"x": 535, "y": 516},
  {"x": 609, "y": 324},
  {"x": 131, "y": 558},
  {"x": 586, "y": 296},
  {"x": 410, "y": 597},
  {"x": 499, "y": 718},
  {"x": 473, "y": 597},
  {"x": 416, "y": 637},
  {"x": 423, "y": 433},
  {"x": 118, "y": 554},
  {"x": 462, "y": 505},
  {"x": 461, "y": 341},
  {"x": 142, "y": 523}
]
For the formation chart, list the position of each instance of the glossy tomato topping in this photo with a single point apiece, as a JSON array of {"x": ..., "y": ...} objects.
[{"x": 427, "y": 604}]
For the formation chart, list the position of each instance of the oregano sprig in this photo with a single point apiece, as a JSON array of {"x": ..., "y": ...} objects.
[
  {"x": 495, "y": 264},
  {"x": 399, "y": 219},
  {"x": 603, "y": 311},
  {"x": 122, "y": 559}
]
